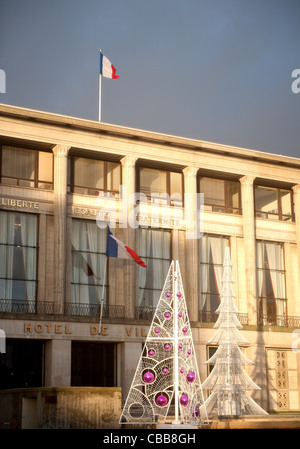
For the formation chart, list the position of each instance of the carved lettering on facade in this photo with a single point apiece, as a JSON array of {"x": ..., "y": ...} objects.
[
  {"x": 24, "y": 204},
  {"x": 65, "y": 329}
]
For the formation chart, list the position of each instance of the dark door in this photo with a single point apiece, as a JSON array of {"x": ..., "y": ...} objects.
[
  {"x": 93, "y": 364},
  {"x": 22, "y": 365}
]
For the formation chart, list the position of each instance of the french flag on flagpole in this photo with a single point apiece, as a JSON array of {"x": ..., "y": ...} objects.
[
  {"x": 116, "y": 248},
  {"x": 106, "y": 68}
]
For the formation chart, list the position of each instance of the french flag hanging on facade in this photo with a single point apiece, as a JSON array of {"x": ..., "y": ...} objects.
[
  {"x": 116, "y": 248},
  {"x": 106, "y": 68}
]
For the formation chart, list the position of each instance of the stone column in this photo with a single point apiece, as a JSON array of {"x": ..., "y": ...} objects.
[
  {"x": 130, "y": 268},
  {"x": 60, "y": 225},
  {"x": 296, "y": 190},
  {"x": 191, "y": 244},
  {"x": 58, "y": 363},
  {"x": 129, "y": 355},
  {"x": 249, "y": 246}
]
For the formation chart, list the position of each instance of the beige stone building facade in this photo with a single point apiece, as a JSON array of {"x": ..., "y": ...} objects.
[{"x": 59, "y": 188}]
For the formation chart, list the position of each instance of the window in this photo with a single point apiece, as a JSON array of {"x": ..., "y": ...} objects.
[
  {"x": 18, "y": 255},
  {"x": 271, "y": 283},
  {"x": 283, "y": 380},
  {"x": 221, "y": 195},
  {"x": 161, "y": 186},
  {"x": 88, "y": 264},
  {"x": 155, "y": 250},
  {"x": 27, "y": 168},
  {"x": 272, "y": 203},
  {"x": 211, "y": 350},
  {"x": 91, "y": 176},
  {"x": 212, "y": 250}
]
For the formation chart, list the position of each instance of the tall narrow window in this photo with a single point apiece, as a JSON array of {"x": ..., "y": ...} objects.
[
  {"x": 271, "y": 283},
  {"x": 88, "y": 261},
  {"x": 161, "y": 186},
  {"x": 273, "y": 203},
  {"x": 92, "y": 176},
  {"x": 212, "y": 249},
  {"x": 221, "y": 195},
  {"x": 27, "y": 168},
  {"x": 155, "y": 250},
  {"x": 18, "y": 267}
]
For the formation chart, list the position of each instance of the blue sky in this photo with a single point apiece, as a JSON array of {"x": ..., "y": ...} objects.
[{"x": 215, "y": 70}]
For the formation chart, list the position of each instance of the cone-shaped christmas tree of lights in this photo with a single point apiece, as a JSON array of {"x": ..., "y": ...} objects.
[
  {"x": 228, "y": 380},
  {"x": 166, "y": 381}
]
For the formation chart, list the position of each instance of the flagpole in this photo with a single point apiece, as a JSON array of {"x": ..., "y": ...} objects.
[
  {"x": 102, "y": 296},
  {"x": 100, "y": 88},
  {"x": 100, "y": 79}
]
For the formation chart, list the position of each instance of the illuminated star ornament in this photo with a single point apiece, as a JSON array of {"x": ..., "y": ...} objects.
[{"x": 166, "y": 381}]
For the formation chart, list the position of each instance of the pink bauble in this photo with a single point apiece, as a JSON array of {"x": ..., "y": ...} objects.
[
  {"x": 182, "y": 370},
  {"x": 189, "y": 352},
  {"x": 168, "y": 295},
  {"x": 167, "y": 315},
  {"x": 157, "y": 330},
  {"x": 179, "y": 295},
  {"x": 184, "y": 399},
  {"x": 180, "y": 314},
  {"x": 195, "y": 411},
  {"x": 165, "y": 371},
  {"x": 161, "y": 400},
  {"x": 190, "y": 377},
  {"x": 148, "y": 377},
  {"x": 151, "y": 353},
  {"x": 184, "y": 330},
  {"x": 180, "y": 346},
  {"x": 167, "y": 347}
]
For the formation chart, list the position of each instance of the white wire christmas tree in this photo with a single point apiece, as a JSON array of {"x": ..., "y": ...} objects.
[
  {"x": 167, "y": 377},
  {"x": 228, "y": 379}
]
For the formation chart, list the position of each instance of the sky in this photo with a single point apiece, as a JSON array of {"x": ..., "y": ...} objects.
[{"x": 213, "y": 70}]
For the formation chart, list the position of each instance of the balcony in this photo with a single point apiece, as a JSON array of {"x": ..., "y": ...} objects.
[
  {"x": 26, "y": 306},
  {"x": 93, "y": 310},
  {"x": 144, "y": 313},
  {"x": 278, "y": 320},
  {"x": 71, "y": 309},
  {"x": 211, "y": 317}
]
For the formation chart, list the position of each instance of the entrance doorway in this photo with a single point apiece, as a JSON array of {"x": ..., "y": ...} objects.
[
  {"x": 22, "y": 366},
  {"x": 94, "y": 364}
]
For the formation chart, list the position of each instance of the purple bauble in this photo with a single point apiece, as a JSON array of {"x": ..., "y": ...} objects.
[
  {"x": 179, "y": 295},
  {"x": 184, "y": 399},
  {"x": 195, "y": 411},
  {"x": 157, "y": 331},
  {"x": 180, "y": 314},
  {"x": 180, "y": 346},
  {"x": 151, "y": 353},
  {"x": 161, "y": 400},
  {"x": 167, "y": 347},
  {"x": 165, "y": 371},
  {"x": 168, "y": 295},
  {"x": 148, "y": 377},
  {"x": 167, "y": 315},
  {"x": 184, "y": 330},
  {"x": 190, "y": 377}
]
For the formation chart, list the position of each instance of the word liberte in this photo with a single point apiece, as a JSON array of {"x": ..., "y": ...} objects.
[{"x": 158, "y": 211}]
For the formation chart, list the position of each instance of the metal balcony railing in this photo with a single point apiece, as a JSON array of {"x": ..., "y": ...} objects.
[
  {"x": 211, "y": 317},
  {"x": 26, "y": 306},
  {"x": 144, "y": 313},
  {"x": 278, "y": 320},
  {"x": 93, "y": 310},
  {"x": 71, "y": 309}
]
